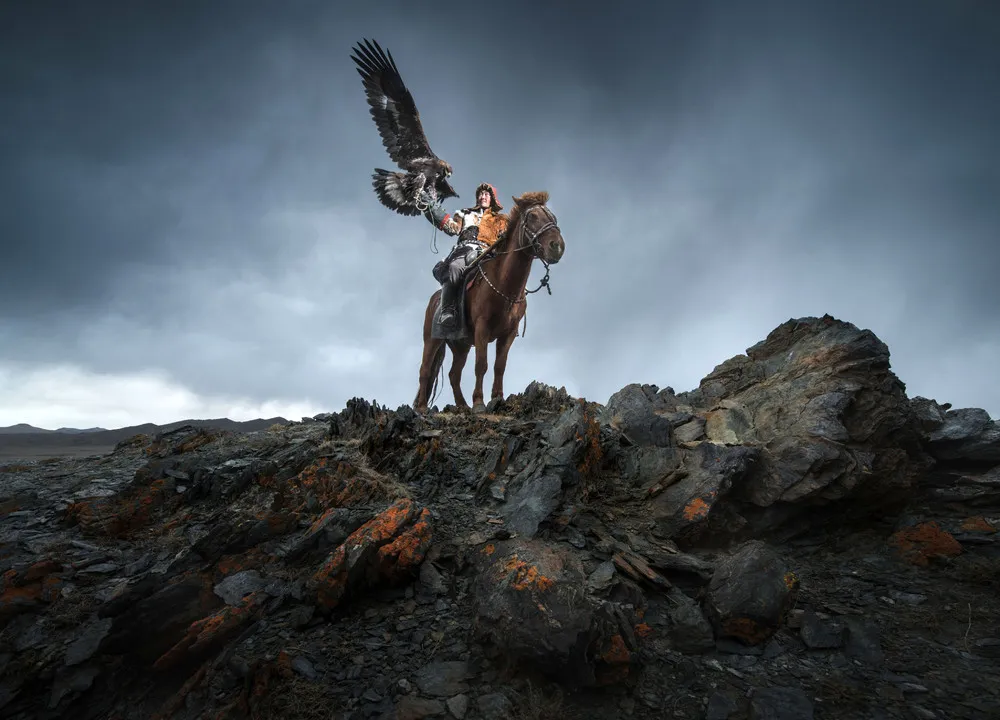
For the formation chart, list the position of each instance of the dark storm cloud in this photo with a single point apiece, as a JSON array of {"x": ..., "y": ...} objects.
[{"x": 186, "y": 186}]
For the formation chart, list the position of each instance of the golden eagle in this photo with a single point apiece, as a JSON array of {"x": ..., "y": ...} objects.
[{"x": 398, "y": 123}]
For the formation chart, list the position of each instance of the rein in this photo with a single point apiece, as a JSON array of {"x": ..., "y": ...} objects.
[{"x": 531, "y": 244}]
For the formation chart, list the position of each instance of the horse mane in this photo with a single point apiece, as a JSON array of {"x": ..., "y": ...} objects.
[{"x": 524, "y": 202}]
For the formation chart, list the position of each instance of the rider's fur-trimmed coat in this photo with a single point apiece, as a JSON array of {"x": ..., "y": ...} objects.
[
  {"x": 491, "y": 226},
  {"x": 491, "y": 223}
]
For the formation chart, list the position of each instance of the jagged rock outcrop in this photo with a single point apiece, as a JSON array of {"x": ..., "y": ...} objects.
[
  {"x": 387, "y": 548},
  {"x": 967, "y": 434},
  {"x": 793, "y": 536},
  {"x": 810, "y": 422}
]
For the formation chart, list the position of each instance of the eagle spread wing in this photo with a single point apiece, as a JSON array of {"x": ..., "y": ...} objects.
[
  {"x": 398, "y": 122},
  {"x": 392, "y": 105}
]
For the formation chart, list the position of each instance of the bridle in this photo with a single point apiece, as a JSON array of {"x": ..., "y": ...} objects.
[{"x": 526, "y": 241}]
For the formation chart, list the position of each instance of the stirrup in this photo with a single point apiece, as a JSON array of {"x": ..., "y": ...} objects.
[{"x": 447, "y": 317}]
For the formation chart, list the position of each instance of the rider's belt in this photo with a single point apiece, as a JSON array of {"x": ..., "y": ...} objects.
[{"x": 469, "y": 235}]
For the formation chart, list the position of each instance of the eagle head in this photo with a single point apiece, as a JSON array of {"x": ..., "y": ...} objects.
[{"x": 441, "y": 184}]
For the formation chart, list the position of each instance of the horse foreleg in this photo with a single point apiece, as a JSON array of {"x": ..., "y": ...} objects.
[
  {"x": 459, "y": 354},
  {"x": 482, "y": 365},
  {"x": 500, "y": 364}
]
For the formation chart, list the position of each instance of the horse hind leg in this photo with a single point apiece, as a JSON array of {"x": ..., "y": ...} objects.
[
  {"x": 430, "y": 364},
  {"x": 432, "y": 360}
]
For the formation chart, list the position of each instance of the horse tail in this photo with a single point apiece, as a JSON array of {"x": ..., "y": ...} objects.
[{"x": 437, "y": 370}]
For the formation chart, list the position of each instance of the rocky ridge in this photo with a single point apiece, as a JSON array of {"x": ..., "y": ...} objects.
[{"x": 795, "y": 538}]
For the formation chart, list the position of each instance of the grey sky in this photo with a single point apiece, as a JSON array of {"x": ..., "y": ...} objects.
[{"x": 187, "y": 214}]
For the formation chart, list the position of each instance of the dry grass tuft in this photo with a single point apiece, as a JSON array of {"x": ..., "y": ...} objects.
[
  {"x": 976, "y": 570},
  {"x": 293, "y": 699},
  {"x": 535, "y": 703},
  {"x": 844, "y": 695},
  {"x": 16, "y": 468},
  {"x": 72, "y": 610}
]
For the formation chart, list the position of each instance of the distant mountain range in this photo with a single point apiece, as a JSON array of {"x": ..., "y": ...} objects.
[
  {"x": 24, "y": 436},
  {"x": 24, "y": 428}
]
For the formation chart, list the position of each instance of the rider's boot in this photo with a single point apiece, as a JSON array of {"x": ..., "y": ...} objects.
[{"x": 449, "y": 292}]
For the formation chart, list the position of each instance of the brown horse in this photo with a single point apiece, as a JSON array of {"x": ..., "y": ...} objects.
[{"x": 495, "y": 303}]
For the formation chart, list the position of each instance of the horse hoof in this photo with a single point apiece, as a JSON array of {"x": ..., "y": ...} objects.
[{"x": 479, "y": 408}]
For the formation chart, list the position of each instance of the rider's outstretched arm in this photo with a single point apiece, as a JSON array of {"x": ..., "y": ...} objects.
[{"x": 441, "y": 219}]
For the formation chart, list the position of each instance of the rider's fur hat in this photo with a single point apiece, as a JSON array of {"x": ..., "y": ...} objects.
[{"x": 495, "y": 202}]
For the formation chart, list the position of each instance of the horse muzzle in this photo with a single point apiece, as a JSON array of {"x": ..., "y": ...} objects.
[{"x": 555, "y": 250}]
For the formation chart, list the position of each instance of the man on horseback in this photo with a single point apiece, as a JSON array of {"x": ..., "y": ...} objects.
[{"x": 477, "y": 228}]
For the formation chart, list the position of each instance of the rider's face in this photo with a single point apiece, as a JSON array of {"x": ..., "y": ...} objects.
[{"x": 483, "y": 198}]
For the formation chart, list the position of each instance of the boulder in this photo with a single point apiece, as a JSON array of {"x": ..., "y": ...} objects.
[
  {"x": 631, "y": 410},
  {"x": 532, "y": 604},
  {"x": 831, "y": 422},
  {"x": 750, "y": 594}
]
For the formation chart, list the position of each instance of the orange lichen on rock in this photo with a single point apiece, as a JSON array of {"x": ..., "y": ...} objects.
[
  {"x": 321, "y": 521},
  {"x": 162, "y": 446},
  {"x": 746, "y": 629},
  {"x": 407, "y": 551},
  {"x": 643, "y": 630},
  {"x": 330, "y": 581},
  {"x": 429, "y": 450},
  {"x": 51, "y": 587},
  {"x": 386, "y": 548},
  {"x": 615, "y": 665},
  {"x": 117, "y": 517},
  {"x": 523, "y": 576},
  {"x": 21, "y": 591},
  {"x": 249, "y": 560},
  {"x": 41, "y": 569},
  {"x": 333, "y": 485},
  {"x": 195, "y": 442},
  {"x": 213, "y": 631},
  {"x": 279, "y": 523},
  {"x": 383, "y": 526},
  {"x": 698, "y": 508},
  {"x": 977, "y": 524},
  {"x": 617, "y": 653},
  {"x": 18, "y": 599},
  {"x": 924, "y": 542},
  {"x": 489, "y": 549}
]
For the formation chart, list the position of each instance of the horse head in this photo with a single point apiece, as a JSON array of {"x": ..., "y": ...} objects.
[{"x": 535, "y": 228}]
